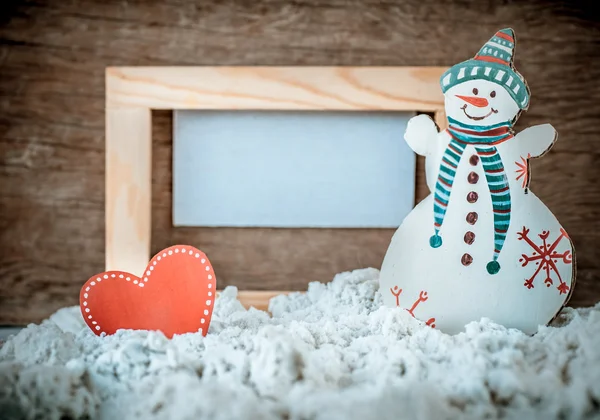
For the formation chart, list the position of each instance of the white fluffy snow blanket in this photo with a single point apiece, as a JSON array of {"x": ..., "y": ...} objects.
[{"x": 332, "y": 353}]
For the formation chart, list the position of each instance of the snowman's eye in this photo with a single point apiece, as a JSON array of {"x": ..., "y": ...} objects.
[
  {"x": 475, "y": 91},
  {"x": 493, "y": 94}
]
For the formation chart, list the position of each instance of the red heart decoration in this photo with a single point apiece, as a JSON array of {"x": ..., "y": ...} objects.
[{"x": 176, "y": 295}]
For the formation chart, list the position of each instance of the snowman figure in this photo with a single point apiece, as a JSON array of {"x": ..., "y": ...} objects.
[{"x": 481, "y": 245}]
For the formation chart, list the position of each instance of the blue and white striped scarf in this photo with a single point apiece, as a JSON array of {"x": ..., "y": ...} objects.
[{"x": 484, "y": 139}]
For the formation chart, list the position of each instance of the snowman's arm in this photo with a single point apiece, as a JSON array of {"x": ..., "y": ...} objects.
[
  {"x": 536, "y": 140},
  {"x": 421, "y": 134}
]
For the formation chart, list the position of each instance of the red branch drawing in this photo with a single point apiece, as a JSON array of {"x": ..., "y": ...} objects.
[
  {"x": 523, "y": 170},
  {"x": 545, "y": 257},
  {"x": 396, "y": 291}
]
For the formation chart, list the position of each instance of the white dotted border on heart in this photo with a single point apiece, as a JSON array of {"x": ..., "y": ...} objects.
[{"x": 164, "y": 254}]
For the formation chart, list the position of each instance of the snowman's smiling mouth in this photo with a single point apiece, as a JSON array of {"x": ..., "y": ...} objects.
[{"x": 471, "y": 117}]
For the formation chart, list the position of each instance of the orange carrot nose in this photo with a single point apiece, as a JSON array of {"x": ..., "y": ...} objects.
[{"x": 473, "y": 100}]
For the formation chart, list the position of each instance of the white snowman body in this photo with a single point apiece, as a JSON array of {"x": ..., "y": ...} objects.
[{"x": 449, "y": 286}]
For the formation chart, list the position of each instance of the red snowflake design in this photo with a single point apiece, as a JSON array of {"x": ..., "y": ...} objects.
[
  {"x": 396, "y": 291},
  {"x": 545, "y": 257},
  {"x": 523, "y": 170}
]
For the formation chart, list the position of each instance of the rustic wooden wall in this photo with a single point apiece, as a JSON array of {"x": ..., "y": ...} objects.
[{"x": 52, "y": 60}]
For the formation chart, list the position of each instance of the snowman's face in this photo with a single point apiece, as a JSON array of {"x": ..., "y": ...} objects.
[{"x": 479, "y": 102}]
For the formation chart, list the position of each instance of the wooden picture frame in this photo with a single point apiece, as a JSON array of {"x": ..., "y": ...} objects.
[{"x": 133, "y": 92}]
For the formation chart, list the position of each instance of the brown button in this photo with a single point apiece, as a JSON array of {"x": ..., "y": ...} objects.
[
  {"x": 469, "y": 238},
  {"x": 474, "y": 160},
  {"x": 466, "y": 259},
  {"x": 472, "y": 197},
  {"x": 472, "y": 218},
  {"x": 473, "y": 178}
]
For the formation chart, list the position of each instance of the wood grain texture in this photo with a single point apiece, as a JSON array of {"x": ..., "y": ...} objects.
[
  {"x": 53, "y": 56},
  {"x": 276, "y": 88},
  {"x": 128, "y": 187}
]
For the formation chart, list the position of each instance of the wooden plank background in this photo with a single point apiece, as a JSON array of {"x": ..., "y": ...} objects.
[{"x": 52, "y": 61}]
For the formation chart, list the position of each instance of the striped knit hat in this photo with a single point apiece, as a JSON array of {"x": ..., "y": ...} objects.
[{"x": 493, "y": 62}]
